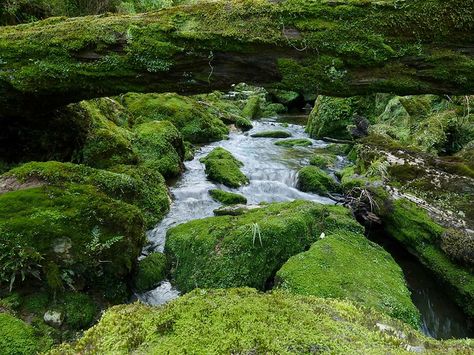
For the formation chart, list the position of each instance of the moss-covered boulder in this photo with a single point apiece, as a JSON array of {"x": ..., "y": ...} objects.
[
  {"x": 272, "y": 134},
  {"x": 298, "y": 142},
  {"x": 79, "y": 309},
  {"x": 348, "y": 266},
  {"x": 331, "y": 115},
  {"x": 245, "y": 321},
  {"x": 314, "y": 179},
  {"x": 412, "y": 226},
  {"x": 247, "y": 250},
  {"x": 151, "y": 271},
  {"x": 138, "y": 185},
  {"x": 19, "y": 338},
  {"x": 323, "y": 160},
  {"x": 63, "y": 228},
  {"x": 196, "y": 124},
  {"x": 160, "y": 147},
  {"x": 223, "y": 167},
  {"x": 227, "y": 198}
]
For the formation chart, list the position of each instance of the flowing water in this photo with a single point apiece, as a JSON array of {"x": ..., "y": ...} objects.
[{"x": 272, "y": 171}]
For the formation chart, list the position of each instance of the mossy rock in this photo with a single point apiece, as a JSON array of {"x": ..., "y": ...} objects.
[
  {"x": 160, "y": 147},
  {"x": 151, "y": 271},
  {"x": 50, "y": 230},
  {"x": 272, "y": 134},
  {"x": 412, "y": 226},
  {"x": 79, "y": 308},
  {"x": 246, "y": 250},
  {"x": 331, "y": 115},
  {"x": 223, "y": 167},
  {"x": 227, "y": 198},
  {"x": 314, "y": 179},
  {"x": 245, "y": 321},
  {"x": 323, "y": 161},
  {"x": 287, "y": 98},
  {"x": 138, "y": 185},
  {"x": 195, "y": 123},
  {"x": 252, "y": 109},
  {"x": 348, "y": 266},
  {"x": 300, "y": 142},
  {"x": 244, "y": 124},
  {"x": 19, "y": 338}
]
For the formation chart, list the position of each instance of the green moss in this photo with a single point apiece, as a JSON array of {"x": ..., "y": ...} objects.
[
  {"x": 222, "y": 167},
  {"x": 323, "y": 161},
  {"x": 80, "y": 310},
  {"x": 36, "y": 303},
  {"x": 151, "y": 271},
  {"x": 272, "y": 134},
  {"x": 245, "y": 321},
  {"x": 195, "y": 123},
  {"x": 350, "y": 180},
  {"x": 314, "y": 179},
  {"x": 227, "y": 198},
  {"x": 160, "y": 147},
  {"x": 300, "y": 142},
  {"x": 285, "y": 97},
  {"x": 246, "y": 250},
  {"x": 348, "y": 266},
  {"x": 19, "y": 338},
  {"x": 252, "y": 108},
  {"x": 412, "y": 226},
  {"x": 63, "y": 233}
]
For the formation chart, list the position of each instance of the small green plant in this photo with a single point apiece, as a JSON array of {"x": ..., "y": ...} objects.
[
  {"x": 378, "y": 167},
  {"x": 255, "y": 228}
]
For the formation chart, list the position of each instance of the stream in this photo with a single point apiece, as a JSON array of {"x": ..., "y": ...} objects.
[{"x": 272, "y": 171}]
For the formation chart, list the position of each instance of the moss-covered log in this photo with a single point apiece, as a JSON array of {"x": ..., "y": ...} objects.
[{"x": 332, "y": 47}]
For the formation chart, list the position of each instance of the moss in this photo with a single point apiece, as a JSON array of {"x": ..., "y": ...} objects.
[
  {"x": 245, "y": 321},
  {"x": 63, "y": 233},
  {"x": 285, "y": 97},
  {"x": 151, "y": 271},
  {"x": 227, "y": 198},
  {"x": 246, "y": 250},
  {"x": 323, "y": 161},
  {"x": 222, "y": 167},
  {"x": 412, "y": 226},
  {"x": 272, "y": 134},
  {"x": 19, "y": 338},
  {"x": 244, "y": 124},
  {"x": 252, "y": 108},
  {"x": 314, "y": 179},
  {"x": 80, "y": 310},
  {"x": 195, "y": 123},
  {"x": 36, "y": 303},
  {"x": 348, "y": 266},
  {"x": 137, "y": 185},
  {"x": 160, "y": 147},
  {"x": 300, "y": 142},
  {"x": 350, "y": 180}
]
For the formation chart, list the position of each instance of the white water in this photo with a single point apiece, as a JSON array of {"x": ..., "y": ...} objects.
[{"x": 271, "y": 169}]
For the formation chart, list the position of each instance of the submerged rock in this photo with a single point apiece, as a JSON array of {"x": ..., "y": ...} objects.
[{"x": 245, "y": 321}]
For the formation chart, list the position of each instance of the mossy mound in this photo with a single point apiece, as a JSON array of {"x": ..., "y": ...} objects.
[
  {"x": 272, "y": 134},
  {"x": 245, "y": 321},
  {"x": 19, "y": 338},
  {"x": 323, "y": 161},
  {"x": 160, "y": 147},
  {"x": 246, "y": 250},
  {"x": 80, "y": 310},
  {"x": 227, "y": 198},
  {"x": 300, "y": 142},
  {"x": 151, "y": 271},
  {"x": 223, "y": 167},
  {"x": 63, "y": 233},
  {"x": 314, "y": 179},
  {"x": 137, "y": 185},
  {"x": 348, "y": 266},
  {"x": 412, "y": 227},
  {"x": 196, "y": 124}
]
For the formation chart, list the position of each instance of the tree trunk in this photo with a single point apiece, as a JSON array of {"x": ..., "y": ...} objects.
[{"x": 339, "y": 48}]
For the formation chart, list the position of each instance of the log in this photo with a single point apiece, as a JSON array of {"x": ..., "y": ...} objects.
[{"x": 339, "y": 48}]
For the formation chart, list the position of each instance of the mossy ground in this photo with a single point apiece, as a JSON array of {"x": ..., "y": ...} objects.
[
  {"x": 246, "y": 250},
  {"x": 245, "y": 321},
  {"x": 300, "y": 142},
  {"x": 223, "y": 167},
  {"x": 348, "y": 266}
]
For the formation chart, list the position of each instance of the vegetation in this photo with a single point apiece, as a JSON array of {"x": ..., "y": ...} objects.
[
  {"x": 314, "y": 179},
  {"x": 272, "y": 134},
  {"x": 300, "y": 142},
  {"x": 263, "y": 323},
  {"x": 227, "y": 198},
  {"x": 222, "y": 167},
  {"x": 151, "y": 271}
]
